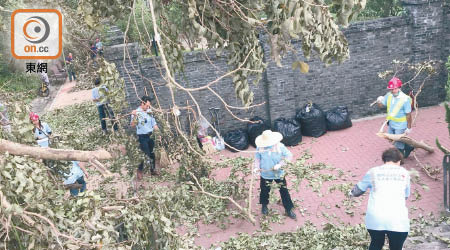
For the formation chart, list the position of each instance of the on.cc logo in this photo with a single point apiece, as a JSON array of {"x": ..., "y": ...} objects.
[
  {"x": 36, "y": 34},
  {"x": 37, "y": 24}
]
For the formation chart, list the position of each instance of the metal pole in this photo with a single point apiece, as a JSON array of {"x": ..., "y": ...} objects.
[{"x": 446, "y": 165}]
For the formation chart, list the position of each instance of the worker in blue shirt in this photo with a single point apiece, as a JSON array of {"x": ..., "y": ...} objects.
[
  {"x": 77, "y": 175},
  {"x": 145, "y": 124},
  {"x": 100, "y": 97},
  {"x": 270, "y": 159},
  {"x": 398, "y": 106}
]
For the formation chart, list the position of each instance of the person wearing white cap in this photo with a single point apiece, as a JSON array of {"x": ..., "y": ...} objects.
[{"x": 270, "y": 158}]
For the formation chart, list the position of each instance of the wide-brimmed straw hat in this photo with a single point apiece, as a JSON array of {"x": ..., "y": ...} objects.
[{"x": 268, "y": 138}]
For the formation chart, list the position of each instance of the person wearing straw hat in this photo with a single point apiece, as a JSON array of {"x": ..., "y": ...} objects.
[{"x": 270, "y": 158}]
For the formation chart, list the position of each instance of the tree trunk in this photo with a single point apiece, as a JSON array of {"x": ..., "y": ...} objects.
[
  {"x": 405, "y": 139},
  {"x": 51, "y": 153}
]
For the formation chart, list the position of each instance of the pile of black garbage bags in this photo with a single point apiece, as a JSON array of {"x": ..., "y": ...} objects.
[{"x": 310, "y": 120}]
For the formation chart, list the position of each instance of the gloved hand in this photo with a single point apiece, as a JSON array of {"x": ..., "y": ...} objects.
[
  {"x": 255, "y": 170},
  {"x": 408, "y": 130},
  {"x": 277, "y": 167},
  {"x": 380, "y": 99},
  {"x": 350, "y": 194}
]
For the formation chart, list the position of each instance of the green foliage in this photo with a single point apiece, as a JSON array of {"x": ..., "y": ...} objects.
[
  {"x": 93, "y": 11},
  {"x": 306, "y": 237},
  {"x": 447, "y": 86},
  {"x": 19, "y": 83},
  {"x": 140, "y": 14},
  {"x": 110, "y": 218},
  {"x": 447, "y": 109},
  {"x": 381, "y": 8},
  {"x": 373, "y": 9},
  {"x": 18, "y": 110},
  {"x": 109, "y": 76},
  {"x": 329, "y": 237},
  {"x": 234, "y": 29},
  {"x": 347, "y": 10}
]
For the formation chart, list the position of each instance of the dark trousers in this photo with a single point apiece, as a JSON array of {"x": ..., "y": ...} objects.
[
  {"x": 71, "y": 74},
  {"x": 147, "y": 144},
  {"x": 396, "y": 239},
  {"x": 284, "y": 192},
  {"x": 75, "y": 191},
  {"x": 104, "y": 111}
]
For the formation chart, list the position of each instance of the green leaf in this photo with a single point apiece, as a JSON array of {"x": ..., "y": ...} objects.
[{"x": 304, "y": 67}]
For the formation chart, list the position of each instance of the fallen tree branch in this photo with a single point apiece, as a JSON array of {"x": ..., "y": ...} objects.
[
  {"x": 4, "y": 203},
  {"x": 250, "y": 192},
  {"x": 73, "y": 186},
  {"x": 55, "y": 231},
  {"x": 51, "y": 153},
  {"x": 382, "y": 126},
  {"x": 405, "y": 139},
  {"x": 442, "y": 147},
  {"x": 424, "y": 168},
  {"x": 102, "y": 169},
  {"x": 111, "y": 208},
  {"x": 202, "y": 190}
]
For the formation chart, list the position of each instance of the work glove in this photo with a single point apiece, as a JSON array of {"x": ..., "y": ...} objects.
[
  {"x": 408, "y": 130},
  {"x": 277, "y": 167},
  {"x": 350, "y": 194},
  {"x": 380, "y": 99},
  {"x": 255, "y": 170}
]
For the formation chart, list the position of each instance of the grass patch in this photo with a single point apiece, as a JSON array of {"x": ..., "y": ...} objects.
[{"x": 22, "y": 83}]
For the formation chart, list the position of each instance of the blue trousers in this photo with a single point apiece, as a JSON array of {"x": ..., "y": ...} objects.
[
  {"x": 75, "y": 191},
  {"x": 397, "y": 144}
]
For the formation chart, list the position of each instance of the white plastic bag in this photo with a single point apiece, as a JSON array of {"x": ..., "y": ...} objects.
[{"x": 219, "y": 143}]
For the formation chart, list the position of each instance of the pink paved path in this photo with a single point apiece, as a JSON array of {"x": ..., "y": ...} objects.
[
  {"x": 65, "y": 97},
  {"x": 353, "y": 150}
]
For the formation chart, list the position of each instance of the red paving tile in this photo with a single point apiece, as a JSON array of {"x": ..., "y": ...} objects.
[{"x": 353, "y": 150}]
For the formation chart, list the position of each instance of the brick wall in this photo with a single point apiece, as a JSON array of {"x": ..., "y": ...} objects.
[{"x": 422, "y": 33}]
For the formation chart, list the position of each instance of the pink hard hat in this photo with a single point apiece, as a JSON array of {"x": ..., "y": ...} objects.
[
  {"x": 34, "y": 116},
  {"x": 394, "y": 83}
]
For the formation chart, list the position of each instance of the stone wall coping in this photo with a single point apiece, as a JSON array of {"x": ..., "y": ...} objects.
[
  {"x": 375, "y": 24},
  {"x": 418, "y": 2}
]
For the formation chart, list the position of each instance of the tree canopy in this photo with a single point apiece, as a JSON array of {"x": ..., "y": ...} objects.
[{"x": 233, "y": 27}]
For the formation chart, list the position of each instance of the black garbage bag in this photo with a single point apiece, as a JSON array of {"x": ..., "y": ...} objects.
[
  {"x": 256, "y": 129},
  {"x": 290, "y": 129},
  {"x": 338, "y": 118},
  {"x": 237, "y": 139},
  {"x": 312, "y": 120}
]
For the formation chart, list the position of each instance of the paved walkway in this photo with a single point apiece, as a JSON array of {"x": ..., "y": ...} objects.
[
  {"x": 354, "y": 150},
  {"x": 65, "y": 98}
]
